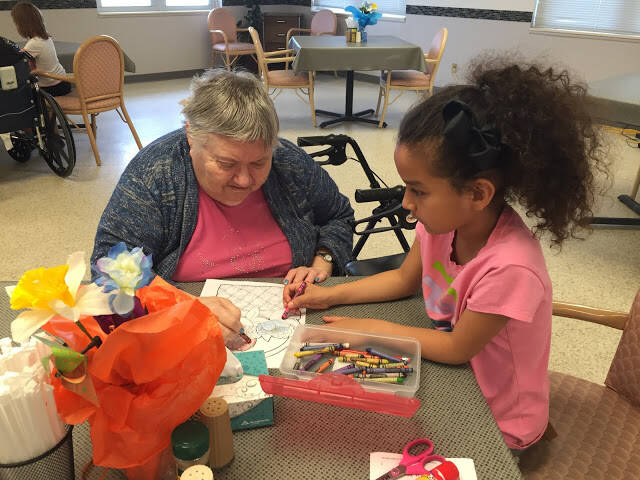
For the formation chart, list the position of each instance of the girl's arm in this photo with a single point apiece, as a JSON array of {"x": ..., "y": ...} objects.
[
  {"x": 470, "y": 335},
  {"x": 390, "y": 285}
]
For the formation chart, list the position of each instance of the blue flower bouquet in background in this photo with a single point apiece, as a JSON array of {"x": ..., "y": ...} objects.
[{"x": 366, "y": 15}]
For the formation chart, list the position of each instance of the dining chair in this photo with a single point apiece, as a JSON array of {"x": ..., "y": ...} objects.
[
  {"x": 324, "y": 22},
  {"x": 98, "y": 77},
  {"x": 277, "y": 80},
  {"x": 223, "y": 31},
  {"x": 403, "y": 80},
  {"x": 597, "y": 427}
]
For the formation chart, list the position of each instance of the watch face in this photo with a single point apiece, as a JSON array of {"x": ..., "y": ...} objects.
[{"x": 327, "y": 257}]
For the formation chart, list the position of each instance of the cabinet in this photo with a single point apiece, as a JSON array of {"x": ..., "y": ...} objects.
[{"x": 275, "y": 27}]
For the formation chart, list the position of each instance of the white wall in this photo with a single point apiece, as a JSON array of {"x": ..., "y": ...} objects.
[{"x": 165, "y": 43}]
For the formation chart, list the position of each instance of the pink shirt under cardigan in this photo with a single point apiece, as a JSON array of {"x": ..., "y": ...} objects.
[
  {"x": 508, "y": 277},
  {"x": 239, "y": 241}
]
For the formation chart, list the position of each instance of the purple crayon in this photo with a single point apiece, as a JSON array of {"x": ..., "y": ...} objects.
[
  {"x": 342, "y": 369},
  {"x": 311, "y": 362},
  {"x": 382, "y": 355},
  {"x": 349, "y": 371},
  {"x": 388, "y": 370}
]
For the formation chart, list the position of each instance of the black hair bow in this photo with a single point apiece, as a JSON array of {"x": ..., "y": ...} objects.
[{"x": 481, "y": 145}]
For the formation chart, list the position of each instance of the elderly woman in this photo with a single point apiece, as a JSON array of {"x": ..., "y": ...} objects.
[{"x": 224, "y": 197}]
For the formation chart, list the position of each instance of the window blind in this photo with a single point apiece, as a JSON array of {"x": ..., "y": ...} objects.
[
  {"x": 154, "y": 5},
  {"x": 385, "y": 7},
  {"x": 614, "y": 17}
]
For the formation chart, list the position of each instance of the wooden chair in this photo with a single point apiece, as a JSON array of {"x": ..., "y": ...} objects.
[
  {"x": 403, "y": 80},
  {"x": 324, "y": 22},
  {"x": 223, "y": 31},
  {"x": 596, "y": 428},
  {"x": 280, "y": 79},
  {"x": 98, "y": 77}
]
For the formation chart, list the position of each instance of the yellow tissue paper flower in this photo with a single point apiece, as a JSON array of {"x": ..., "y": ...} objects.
[
  {"x": 40, "y": 286},
  {"x": 46, "y": 292}
]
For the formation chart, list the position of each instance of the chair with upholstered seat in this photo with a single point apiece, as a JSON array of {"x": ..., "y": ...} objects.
[
  {"x": 403, "y": 80},
  {"x": 98, "y": 77},
  {"x": 596, "y": 426},
  {"x": 276, "y": 80},
  {"x": 324, "y": 22},
  {"x": 223, "y": 31}
]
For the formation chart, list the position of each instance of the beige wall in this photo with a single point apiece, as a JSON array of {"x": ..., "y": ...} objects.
[{"x": 165, "y": 43}]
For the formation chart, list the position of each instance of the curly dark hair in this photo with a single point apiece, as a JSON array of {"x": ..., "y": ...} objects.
[{"x": 552, "y": 147}]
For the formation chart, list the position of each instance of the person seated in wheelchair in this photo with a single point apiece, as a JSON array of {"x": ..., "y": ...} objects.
[
  {"x": 30, "y": 25},
  {"x": 29, "y": 117}
]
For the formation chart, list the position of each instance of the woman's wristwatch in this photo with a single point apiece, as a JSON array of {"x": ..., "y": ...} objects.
[{"x": 325, "y": 255}]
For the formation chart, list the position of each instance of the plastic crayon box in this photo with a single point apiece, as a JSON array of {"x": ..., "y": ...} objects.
[{"x": 403, "y": 377}]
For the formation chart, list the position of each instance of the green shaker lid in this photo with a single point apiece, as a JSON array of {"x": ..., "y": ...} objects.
[{"x": 190, "y": 440}]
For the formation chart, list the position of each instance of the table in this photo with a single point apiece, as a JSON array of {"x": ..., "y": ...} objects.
[
  {"x": 312, "y": 440},
  {"x": 327, "y": 52},
  {"x": 66, "y": 51}
]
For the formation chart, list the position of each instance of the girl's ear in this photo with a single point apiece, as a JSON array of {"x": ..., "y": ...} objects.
[{"x": 482, "y": 192}]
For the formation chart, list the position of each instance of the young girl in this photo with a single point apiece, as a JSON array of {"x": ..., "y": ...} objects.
[
  {"x": 30, "y": 25},
  {"x": 515, "y": 135}
]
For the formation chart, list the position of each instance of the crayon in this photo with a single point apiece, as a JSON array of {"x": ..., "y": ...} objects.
[
  {"x": 390, "y": 370},
  {"x": 299, "y": 291},
  {"x": 392, "y": 365},
  {"x": 382, "y": 355},
  {"x": 309, "y": 346},
  {"x": 296, "y": 366},
  {"x": 347, "y": 367},
  {"x": 325, "y": 365},
  {"x": 345, "y": 358},
  {"x": 311, "y": 362},
  {"x": 381, "y": 375},
  {"x": 313, "y": 352},
  {"x": 349, "y": 371},
  {"x": 382, "y": 380},
  {"x": 376, "y": 361}
]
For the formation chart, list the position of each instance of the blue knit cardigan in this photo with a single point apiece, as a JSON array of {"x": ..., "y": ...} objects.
[{"x": 155, "y": 206}]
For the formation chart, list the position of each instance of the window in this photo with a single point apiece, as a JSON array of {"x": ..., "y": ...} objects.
[
  {"x": 388, "y": 8},
  {"x": 604, "y": 17},
  {"x": 108, "y": 6}
]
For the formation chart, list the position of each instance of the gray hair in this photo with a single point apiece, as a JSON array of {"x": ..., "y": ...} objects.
[{"x": 233, "y": 104}]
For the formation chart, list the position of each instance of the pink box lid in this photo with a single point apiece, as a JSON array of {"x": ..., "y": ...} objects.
[{"x": 340, "y": 390}]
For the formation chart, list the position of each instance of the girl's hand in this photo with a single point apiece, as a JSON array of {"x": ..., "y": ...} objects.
[
  {"x": 314, "y": 297},
  {"x": 312, "y": 274}
]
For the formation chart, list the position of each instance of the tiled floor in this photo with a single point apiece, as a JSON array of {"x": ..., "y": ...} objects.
[{"x": 45, "y": 217}]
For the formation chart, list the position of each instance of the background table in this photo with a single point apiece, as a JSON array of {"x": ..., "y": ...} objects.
[
  {"x": 312, "y": 440},
  {"x": 66, "y": 51},
  {"x": 328, "y": 52}
]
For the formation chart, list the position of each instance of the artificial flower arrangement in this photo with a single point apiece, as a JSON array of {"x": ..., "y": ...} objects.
[
  {"x": 135, "y": 357},
  {"x": 366, "y": 14}
]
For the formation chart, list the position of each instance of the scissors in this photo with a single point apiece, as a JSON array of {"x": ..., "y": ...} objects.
[{"x": 413, "y": 464}]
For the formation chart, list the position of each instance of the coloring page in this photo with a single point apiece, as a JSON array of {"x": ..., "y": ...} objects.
[{"x": 261, "y": 307}]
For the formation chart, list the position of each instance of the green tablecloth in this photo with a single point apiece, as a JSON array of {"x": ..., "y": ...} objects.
[
  {"x": 326, "y": 52},
  {"x": 312, "y": 440}
]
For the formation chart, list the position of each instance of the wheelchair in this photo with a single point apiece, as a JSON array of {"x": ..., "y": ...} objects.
[
  {"x": 31, "y": 116},
  {"x": 389, "y": 204}
]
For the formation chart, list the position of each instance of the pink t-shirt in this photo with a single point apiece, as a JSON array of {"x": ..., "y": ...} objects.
[
  {"x": 239, "y": 241},
  {"x": 508, "y": 277}
]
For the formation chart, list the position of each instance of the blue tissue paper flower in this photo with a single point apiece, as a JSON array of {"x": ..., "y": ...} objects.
[{"x": 363, "y": 19}]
